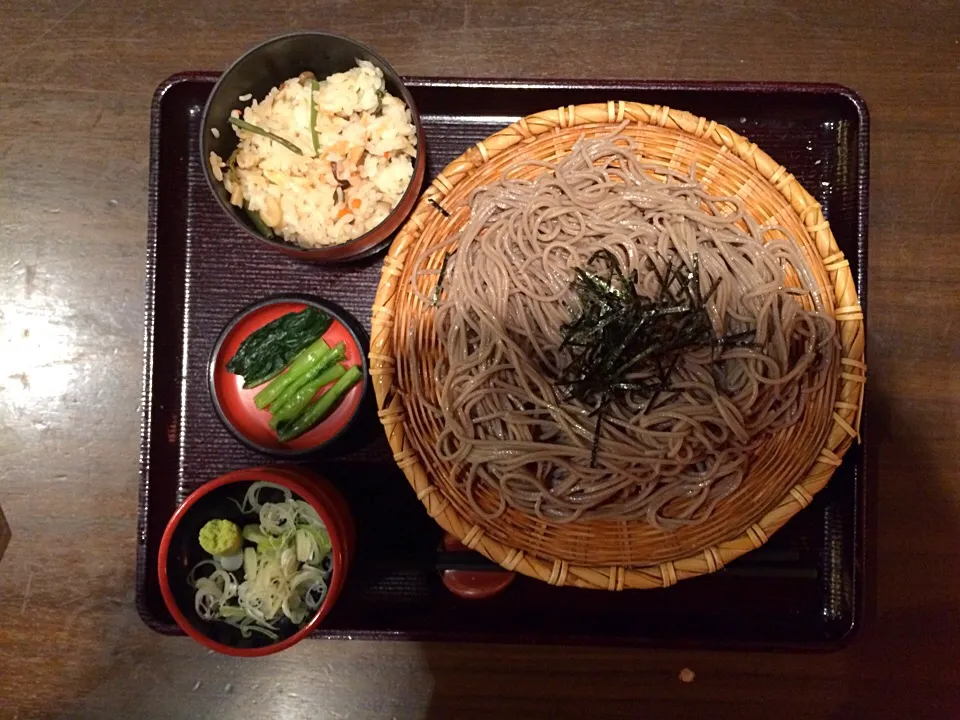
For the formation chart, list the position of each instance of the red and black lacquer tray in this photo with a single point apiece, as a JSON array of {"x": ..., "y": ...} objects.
[{"x": 803, "y": 589}]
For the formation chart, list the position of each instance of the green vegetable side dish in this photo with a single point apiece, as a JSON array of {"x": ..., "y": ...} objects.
[
  {"x": 307, "y": 376},
  {"x": 220, "y": 537},
  {"x": 320, "y": 408},
  {"x": 292, "y": 409},
  {"x": 294, "y": 343},
  {"x": 267, "y": 351},
  {"x": 309, "y": 358}
]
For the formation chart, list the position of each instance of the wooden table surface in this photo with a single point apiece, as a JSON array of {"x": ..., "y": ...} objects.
[{"x": 76, "y": 78}]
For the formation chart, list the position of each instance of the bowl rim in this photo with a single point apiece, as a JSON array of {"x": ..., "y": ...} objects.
[
  {"x": 352, "y": 326},
  {"x": 315, "y": 254},
  {"x": 250, "y": 475}
]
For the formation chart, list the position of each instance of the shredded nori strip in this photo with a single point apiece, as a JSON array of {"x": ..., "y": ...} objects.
[
  {"x": 439, "y": 286},
  {"x": 439, "y": 207},
  {"x": 620, "y": 333}
]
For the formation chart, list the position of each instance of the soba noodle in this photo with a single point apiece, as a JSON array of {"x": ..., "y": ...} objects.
[{"x": 506, "y": 295}]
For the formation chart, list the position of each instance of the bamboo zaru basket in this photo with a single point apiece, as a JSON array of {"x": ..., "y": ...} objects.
[{"x": 785, "y": 472}]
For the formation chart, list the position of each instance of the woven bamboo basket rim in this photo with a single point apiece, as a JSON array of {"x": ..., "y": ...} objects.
[{"x": 759, "y": 172}]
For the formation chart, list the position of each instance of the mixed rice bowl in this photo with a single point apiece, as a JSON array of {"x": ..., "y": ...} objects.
[{"x": 331, "y": 185}]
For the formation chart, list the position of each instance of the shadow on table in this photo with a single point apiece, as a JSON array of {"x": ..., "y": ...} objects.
[{"x": 904, "y": 661}]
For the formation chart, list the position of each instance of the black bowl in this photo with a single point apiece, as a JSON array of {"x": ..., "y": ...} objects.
[{"x": 267, "y": 66}]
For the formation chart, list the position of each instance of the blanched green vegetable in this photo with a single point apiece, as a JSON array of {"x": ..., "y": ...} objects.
[
  {"x": 267, "y": 351},
  {"x": 306, "y": 360},
  {"x": 254, "y": 534},
  {"x": 338, "y": 353},
  {"x": 319, "y": 409},
  {"x": 298, "y": 403}
]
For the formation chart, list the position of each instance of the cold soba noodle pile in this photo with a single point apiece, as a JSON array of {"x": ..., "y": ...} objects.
[{"x": 615, "y": 346}]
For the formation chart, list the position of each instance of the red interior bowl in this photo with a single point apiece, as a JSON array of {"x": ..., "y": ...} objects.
[
  {"x": 180, "y": 551},
  {"x": 473, "y": 585},
  {"x": 235, "y": 405}
]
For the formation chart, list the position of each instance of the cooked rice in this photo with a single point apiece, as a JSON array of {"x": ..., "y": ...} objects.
[{"x": 367, "y": 142}]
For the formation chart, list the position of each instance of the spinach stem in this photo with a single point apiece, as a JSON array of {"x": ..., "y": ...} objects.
[
  {"x": 250, "y": 127},
  {"x": 314, "y": 87},
  {"x": 258, "y": 222}
]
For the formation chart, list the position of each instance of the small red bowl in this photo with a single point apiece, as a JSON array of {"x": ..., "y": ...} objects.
[
  {"x": 235, "y": 405},
  {"x": 472, "y": 584},
  {"x": 180, "y": 551}
]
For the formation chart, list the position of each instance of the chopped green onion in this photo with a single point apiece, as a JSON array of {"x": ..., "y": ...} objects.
[
  {"x": 231, "y": 611},
  {"x": 285, "y": 578},
  {"x": 250, "y": 563}
]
